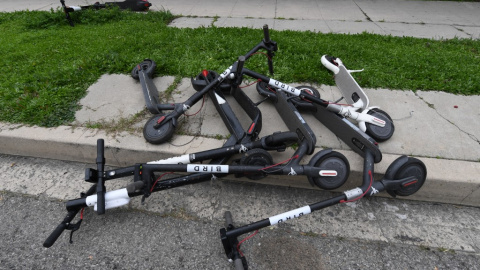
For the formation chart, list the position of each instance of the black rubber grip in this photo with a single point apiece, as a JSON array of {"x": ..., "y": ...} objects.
[
  {"x": 278, "y": 139},
  {"x": 228, "y": 219},
  {"x": 238, "y": 264},
  {"x": 101, "y": 181},
  {"x": 331, "y": 59},
  {"x": 266, "y": 34},
  {"x": 54, "y": 235}
]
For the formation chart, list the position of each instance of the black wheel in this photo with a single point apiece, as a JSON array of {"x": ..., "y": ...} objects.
[
  {"x": 330, "y": 161},
  {"x": 160, "y": 135},
  {"x": 256, "y": 157},
  {"x": 380, "y": 134},
  {"x": 264, "y": 90},
  {"x": 199, "y": 82},
  {"x": 302, "y": 103},
  {"x": 413, "y": 167},
  {"x": 147, "y": 65}
]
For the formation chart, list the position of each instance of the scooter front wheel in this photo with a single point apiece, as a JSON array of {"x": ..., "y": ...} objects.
[
  {"x": 412, "y": 167},
  {"x": 380, "y": 134},
  {"x": 303, "y": 104},
  {"x": 330, "y": 161},
  {"x": 158, "y": 135}
]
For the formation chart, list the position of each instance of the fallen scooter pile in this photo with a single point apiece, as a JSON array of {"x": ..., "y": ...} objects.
[{"x": 327, "y": 169}]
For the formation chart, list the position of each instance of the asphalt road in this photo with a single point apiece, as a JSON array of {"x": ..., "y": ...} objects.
[{"x": 174, "y": 234}]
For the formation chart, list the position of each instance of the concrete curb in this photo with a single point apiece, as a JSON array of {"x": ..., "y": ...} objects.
[{"x": 448, "y": 181}]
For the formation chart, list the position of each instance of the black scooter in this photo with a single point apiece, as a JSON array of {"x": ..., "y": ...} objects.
[{"x": 133, "y": 5}]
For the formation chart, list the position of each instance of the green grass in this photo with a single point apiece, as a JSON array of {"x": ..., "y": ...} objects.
[{"x": 48, "y": 65}]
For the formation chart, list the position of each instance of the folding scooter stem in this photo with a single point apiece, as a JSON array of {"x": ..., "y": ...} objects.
[
  {"x": 100, "y": 177},
  {"x": 227, "y": 114}
]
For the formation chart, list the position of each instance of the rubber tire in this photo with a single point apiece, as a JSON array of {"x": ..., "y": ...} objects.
[
  {"x": 300, "y": 102},
  {"x": 256, "y": 157},
  {"x": 157, "y": 136},
  {"x": 413, "y": 167},
  {"x": 262, "y": 89},
  {"x": 380, "y": 134},
  {"x": 147, "y": 65},
  {"x": 331, "y": 161}
]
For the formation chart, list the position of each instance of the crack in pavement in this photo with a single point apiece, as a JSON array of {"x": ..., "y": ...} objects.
[
  {"x": 472, "y": 136},
  {"x": 364, "y": 13}
]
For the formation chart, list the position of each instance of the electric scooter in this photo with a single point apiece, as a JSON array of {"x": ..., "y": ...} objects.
[
  {"x": 133, "y": 5},
  {"x": 145, "y": 182}
]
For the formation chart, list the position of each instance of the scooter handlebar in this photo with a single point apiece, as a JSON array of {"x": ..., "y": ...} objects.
[
  {"x": 60, "y": 228},
  {"x": 331, "y": 63},
  {"x": 266, "y": 34},
  {"x": 54, "y": 235}
]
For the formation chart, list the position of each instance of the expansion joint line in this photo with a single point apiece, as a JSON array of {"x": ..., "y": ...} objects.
[
  {"x": 472, "y": 136},
  {"x": 364, "y": 13}
]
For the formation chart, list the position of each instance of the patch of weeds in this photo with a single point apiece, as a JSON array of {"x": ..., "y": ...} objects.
[
  {"x": 179, "y": 214},
  {"x": 310, "y": 234},
  {"x": 169, "y": 91},
  {"x": 425, "y": 248},
  {"x": 94, "y": 125},
  {"x": 442, "y": 249},
  {"x": 215, "y": 19},
  {"x": 116, "y": 126},
  {"x": 294, "y": 146}
]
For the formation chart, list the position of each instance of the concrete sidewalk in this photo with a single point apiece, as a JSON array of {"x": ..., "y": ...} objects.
[
  {"x": 424, "y": 19},
  {"x": 443, "y": 130}
]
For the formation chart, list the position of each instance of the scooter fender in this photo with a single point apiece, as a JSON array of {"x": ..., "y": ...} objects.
[
  {"x": 393, "y": 169},
  {"x": 314, "y": 159}
]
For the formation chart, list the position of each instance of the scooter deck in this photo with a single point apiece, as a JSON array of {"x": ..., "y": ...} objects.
[
  {"x": 150, "y": 92},
  {"x": 348, "y": 132}
]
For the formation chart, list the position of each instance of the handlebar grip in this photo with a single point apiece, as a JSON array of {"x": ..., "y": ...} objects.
[
  {"x": 238, "y": 264},
  {"x": 101, "y": 180},
  {"x": 100, "y": 146},
  {"x": 277, "y": 139},
  {"x": 266, "y": 34},
  {"x": 329, "y": 63},
  {"x": 228, "y": 219},
  {"x": 60, "y": 228},
  {"x": 54, "y": 235},
  {"x": 239, "y": 71}
]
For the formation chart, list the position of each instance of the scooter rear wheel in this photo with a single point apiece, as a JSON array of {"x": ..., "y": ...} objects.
[
  {"x": 413, "y": 167},
  {"x": 256, "y": 157},
  {"x": 160, "y": 135},
  {"x": 330, "y": 161},
  {"x": 380, "y": 134},
  {"x": 147, "y": 65}
]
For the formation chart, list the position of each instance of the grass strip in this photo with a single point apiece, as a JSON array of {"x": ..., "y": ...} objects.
[{"x": 48, "y": 65}]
